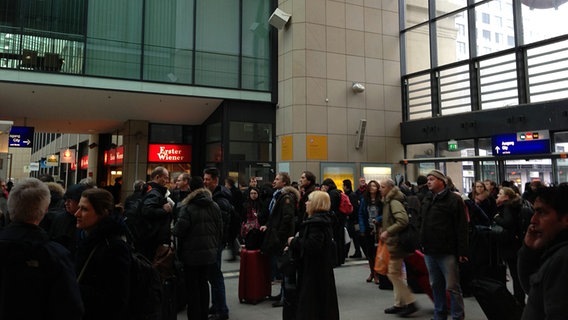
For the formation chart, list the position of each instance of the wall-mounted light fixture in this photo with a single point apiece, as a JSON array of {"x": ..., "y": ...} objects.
[
  {"x": 357, "y": 87},
  {"x": 279, "y": 18}
]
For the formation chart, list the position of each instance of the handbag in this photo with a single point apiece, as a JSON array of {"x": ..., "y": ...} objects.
[
  {"x": 286, "y": 263},
  {"x": 164, "y": 261},
  {"x": 382, "y": 259}
]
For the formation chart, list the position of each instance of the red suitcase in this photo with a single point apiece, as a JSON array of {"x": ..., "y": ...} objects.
[
  {"x": 417, "y": 275},
  {"x": 254, "y": 277}
]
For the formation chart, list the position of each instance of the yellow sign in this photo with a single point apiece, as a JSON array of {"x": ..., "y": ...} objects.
[
  {"x": 287, "y": 148},
  {"x": 316, "y": 147}
]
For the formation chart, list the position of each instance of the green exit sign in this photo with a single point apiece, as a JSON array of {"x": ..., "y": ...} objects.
[{"x": 452, "y": 145}]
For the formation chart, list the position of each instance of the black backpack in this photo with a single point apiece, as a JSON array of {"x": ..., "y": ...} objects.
[{"x": 525, "y": 216}]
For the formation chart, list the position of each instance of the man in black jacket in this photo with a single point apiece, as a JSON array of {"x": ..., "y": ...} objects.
[
  {"x": 221, "y": 196},
  {"x": 280, "y": 224},
  {"x": 156, "y": 212},
  {"x": 543, "y": 258},
  {"x": 35, "y": 271},
  {"x": 443, "y": 237}
]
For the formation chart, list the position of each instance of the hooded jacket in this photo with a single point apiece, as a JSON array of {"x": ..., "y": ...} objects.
[
  {"x": 199, "y": 229},
  {"x": 395, "y": 219}
]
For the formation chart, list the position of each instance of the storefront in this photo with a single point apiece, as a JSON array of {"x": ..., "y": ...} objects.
[{"x": 174, "y": 157}]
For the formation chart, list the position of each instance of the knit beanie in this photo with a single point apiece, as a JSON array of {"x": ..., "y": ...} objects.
[{"x": 438, "y": 174}]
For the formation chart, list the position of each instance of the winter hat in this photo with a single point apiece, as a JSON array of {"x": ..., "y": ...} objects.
[
  {"x": 74, "y": 192},
  {"x": 439, "y": 175}
]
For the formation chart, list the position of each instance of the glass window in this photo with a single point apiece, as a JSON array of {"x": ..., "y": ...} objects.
[
  {"x": 213, "y": 132},
  {"x": 485, "y": 18},
  {"x": 417, "y": 49},
  {"x": 548, "y": 76},
  {"x": 456, "y": 148},
  {"x": 165, "y": 133},
  {"x": 486, "y": 35},
  {"x": 339, "y": 172},
  {"x": 415, "y": 12},
  {"x": 451, "y": 30},
  {"x": 419, "y": 97},
  {"x": 248, "y": 131},
  {"x": 455, "y": 90},
  {"x": 561, "y": 145},
  {"x": 250, "y": 151},
  {"x": 113, "y": 42},
  {"x": 168, "y": 41},
  {"x": 217, "y": 43},
  {"x": 485, "y": 28},
  {"x": 544, "y": 23},
  {"x": 498, "y": 82},
  {"x": 255, "y": 45}
]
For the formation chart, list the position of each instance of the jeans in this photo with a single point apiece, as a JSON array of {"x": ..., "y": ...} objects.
[
  {"x": 444, "y": 275},
  {"x": 217, "y": 281}
]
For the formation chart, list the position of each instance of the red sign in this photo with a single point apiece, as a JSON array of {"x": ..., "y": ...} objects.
[
  {"x": 114, "y": 157},
  {"x": 169, "y": 153},
  {"x": 84, "y": 163}
]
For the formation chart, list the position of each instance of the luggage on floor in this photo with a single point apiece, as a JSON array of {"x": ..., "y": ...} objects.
[
  {"x": 417, "y": 274},
  {"x": 254, "y": 277},
  {"x": 495, "y": 300}
]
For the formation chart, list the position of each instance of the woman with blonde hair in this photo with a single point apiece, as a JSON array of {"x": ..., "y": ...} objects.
[
  {"x": 509, "y": 205},
  {"x": 314, "y": 253}
]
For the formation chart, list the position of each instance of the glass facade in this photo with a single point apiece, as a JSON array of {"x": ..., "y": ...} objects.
[
  {"x": 483, "y": 44},
  {"x": 214, "y": 43}
]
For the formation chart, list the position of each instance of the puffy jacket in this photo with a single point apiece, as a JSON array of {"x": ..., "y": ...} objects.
[{"x": 199, "y": 229}]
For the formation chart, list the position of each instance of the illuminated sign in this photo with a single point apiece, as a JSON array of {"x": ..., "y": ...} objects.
[
  {"x": 169, "y": 153},
  {"x": 21, "y": 137},
  {"x": 114, "y": 157},
  {"x": 526, "y": 142},
  {"x": 84, "y": 162}
]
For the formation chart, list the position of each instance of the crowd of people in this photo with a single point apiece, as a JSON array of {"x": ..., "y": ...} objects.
[{"x": 82, "y": 239}]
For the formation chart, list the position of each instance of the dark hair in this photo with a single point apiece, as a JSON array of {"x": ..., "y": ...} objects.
[
  {"x": 101, "y": 200},
  {"x": 310, "y": 176},
  {"x": 554, "y": 197},
  {"x": 212, "y": 171},
  {"x": 231, "y": 181},
  {"x": 329, "y": 183},
  {"x": 347, "y": 184},
  {"x": 196, "y": 182}
]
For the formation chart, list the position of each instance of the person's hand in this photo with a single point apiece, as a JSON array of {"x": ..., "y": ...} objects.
[
  {"x": 533, "y": 238},
  {"x": 167, "y": 207},
  {"x": 384, "y": 236},
  {"x": 463, "y": 259},
  {"x": 263, "y": 228}
]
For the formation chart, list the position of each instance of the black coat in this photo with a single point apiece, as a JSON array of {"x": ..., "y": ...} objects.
[
  {"x": 54, "y": 295},
  {"x": 444, "y": 227},
  {"x": 280, "y": 223},
  {"x": 105, "y": 284},
  {"x": 64, "y": 231},
  {"x": 508, "y": 215},
  {"x": 199, "y": 229},
  {"x": 157, "y": 218},
  {"x": 314, "y": 254}
]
